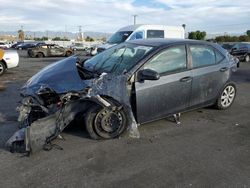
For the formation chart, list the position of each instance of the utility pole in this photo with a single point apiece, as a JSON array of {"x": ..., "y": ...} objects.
[
  {"x": 65, "y": 34},
  {"x": 80, "y": 33},
  {"x": 135, "y": 16}
]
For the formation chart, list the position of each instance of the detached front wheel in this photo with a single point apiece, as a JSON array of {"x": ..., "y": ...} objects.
[
  {"x": 102, "y": 123},
  {"x": 226, "y": 97}
]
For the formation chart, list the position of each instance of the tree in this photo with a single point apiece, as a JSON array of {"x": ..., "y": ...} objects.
[
  {"x": 60, "y": 39},
  {"x": 248, "y": 33},
  {"x": 21, "y": 35},
  {"x": 227, "y": 38},
  {"x": 89, "y": 39},
  {"x": 197, "y": 35},
  {"x": 244, "y": 38}
]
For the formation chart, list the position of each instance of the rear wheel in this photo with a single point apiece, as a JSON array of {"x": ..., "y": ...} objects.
[
  {"x": 226, "y": 97},
  {"x": 2, "y": 68},
  {"x": 40, "y": 55},
  {"x": 247, "y": 58},
  {"x": 102, "y": 123},
  {"x": 68, "y": 53}
]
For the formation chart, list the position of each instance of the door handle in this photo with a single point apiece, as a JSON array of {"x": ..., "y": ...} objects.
[
  {"x": 186, "y": 79},
  {"x": 224, "y": 69}
]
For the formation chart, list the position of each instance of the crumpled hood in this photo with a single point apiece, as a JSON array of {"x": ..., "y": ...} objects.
[{"x": 61, "y": 76}]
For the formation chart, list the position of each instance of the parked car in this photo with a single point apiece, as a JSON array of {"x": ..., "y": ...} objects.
[
  {"x": 240, "y": 50},
  {"x": 28, "y": 45},
  {"x": 132, "y": 83},
  {"x": 16, "y": 44},
  {"x": 9, "y": 60},
  {"x": 133, "y": 32},
  {"x": 49, "y": 50},
  {"x": 78, "y": 46},
  {"x": 4, "y": 45}
]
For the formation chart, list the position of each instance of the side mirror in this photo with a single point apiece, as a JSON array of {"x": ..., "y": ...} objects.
[
  {"x": 233, "y": 49},
  {"x": 148, "y": 74}
]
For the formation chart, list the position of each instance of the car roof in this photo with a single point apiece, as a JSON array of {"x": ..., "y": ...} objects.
[
  {"x": 149, "y": 26},
  {"x": 159, "y": 42}
]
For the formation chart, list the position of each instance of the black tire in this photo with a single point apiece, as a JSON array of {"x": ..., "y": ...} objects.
[
  {"x": 2, "y": 68},
  {"x": 247, "y": 58},
  {"x": 226, "y": 97},
  {"x": 40, "y": 55},
  {"x": 96, "y": 122},
  {"x": 68, "y": 53}
]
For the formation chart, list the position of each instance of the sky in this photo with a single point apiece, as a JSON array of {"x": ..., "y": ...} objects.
[{"x": 212, "y": 16}]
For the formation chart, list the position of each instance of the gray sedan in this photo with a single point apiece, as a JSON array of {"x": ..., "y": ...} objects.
[{"x": 129, "y": 84}]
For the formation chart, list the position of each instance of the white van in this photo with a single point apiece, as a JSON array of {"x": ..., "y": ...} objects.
[{"x": 133, "y": 32}]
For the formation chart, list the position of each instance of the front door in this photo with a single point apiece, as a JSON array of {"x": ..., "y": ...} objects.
[{"x": 170, "y": 94}]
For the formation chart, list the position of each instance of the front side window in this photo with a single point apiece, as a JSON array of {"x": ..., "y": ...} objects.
[
  {"x": 118, "y": 59},
  {"x": 119, "y": 37},
  {"x": 137, "y": 35},
  {"x": 155, "y": 33},
  {"x": 202, "y": 55},
  {"x": 172, "y": 59}
]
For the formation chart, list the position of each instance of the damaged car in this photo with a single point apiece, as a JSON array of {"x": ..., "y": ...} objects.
[{"x": 127, "y": 85}]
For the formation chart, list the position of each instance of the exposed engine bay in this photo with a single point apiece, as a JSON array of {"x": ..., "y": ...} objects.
[{"x": 51, "y": 104}]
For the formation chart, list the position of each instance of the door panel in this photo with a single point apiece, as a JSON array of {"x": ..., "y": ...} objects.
[
  {"x": 159, "y": 98},
  {"x": 56, "y": 51},
  {"x": 207, "y": 82}
]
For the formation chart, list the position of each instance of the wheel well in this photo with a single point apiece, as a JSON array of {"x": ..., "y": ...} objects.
[
  {"x": 40, "y": 53},
  {"x": 5, "y": 64}
]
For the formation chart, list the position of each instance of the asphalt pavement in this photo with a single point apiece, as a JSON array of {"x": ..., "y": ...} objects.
[{"x": 210, "y": 148}]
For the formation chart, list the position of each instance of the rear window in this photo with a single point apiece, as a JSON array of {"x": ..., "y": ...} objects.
[{"x": 155, "y": 34}]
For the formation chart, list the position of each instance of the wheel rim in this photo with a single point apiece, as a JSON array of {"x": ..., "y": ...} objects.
[
  {"x": 108, "y": 123},
  {"x": 1, "y": 68},
  {"x": 227, "y": 96}
]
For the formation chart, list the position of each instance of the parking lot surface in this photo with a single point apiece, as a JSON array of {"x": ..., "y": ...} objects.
[{"x": 210, "y": 148}]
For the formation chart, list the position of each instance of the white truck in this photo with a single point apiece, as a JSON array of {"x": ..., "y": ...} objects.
[
  {"x": 8, "y": 59},
  {"x": 133, "y": 32}
]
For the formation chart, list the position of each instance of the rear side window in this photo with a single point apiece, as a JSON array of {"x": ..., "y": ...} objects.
[
  {"x": 202, "y": 55},
  {"x": 219, "y": 56},
  {"x": 155, "y": 34},
  {"x": 172, "y": 59}
]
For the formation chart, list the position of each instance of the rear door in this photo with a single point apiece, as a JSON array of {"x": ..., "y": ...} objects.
[
  {"x": 170, "y": 94},
  {"x": 210, "y": 72},
  {"x": 57, "y": 51}
]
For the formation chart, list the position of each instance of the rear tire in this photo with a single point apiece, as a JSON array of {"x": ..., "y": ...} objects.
[
  {"x": 40, "y": 55},
  {"x": 68, "y": 53},
  {"x": 2, "y": 68},
  {"x": 103, "y": 124},
  {"x": 226, "y": 97}
]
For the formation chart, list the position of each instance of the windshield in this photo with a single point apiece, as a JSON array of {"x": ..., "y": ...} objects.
[
  {"x": 119, "y": 37},
  {"x": 118, "y": 59}
]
